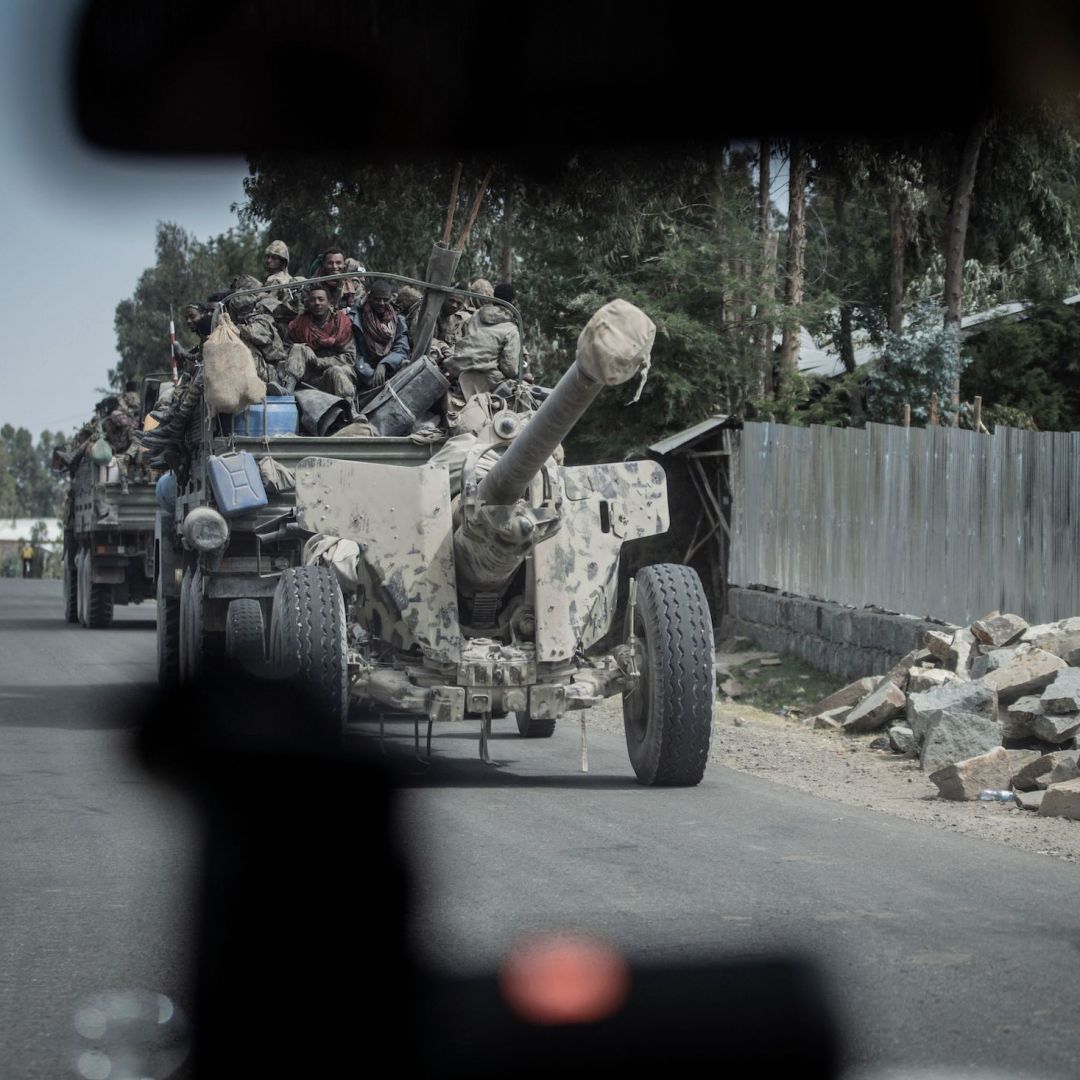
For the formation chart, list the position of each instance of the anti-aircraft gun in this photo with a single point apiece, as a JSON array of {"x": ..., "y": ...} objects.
[{"x": 478, "y": 584}]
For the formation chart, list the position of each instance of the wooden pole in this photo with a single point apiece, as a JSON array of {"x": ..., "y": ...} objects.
[
  {"x": 463, "y": 239},
  {"x": 907, "y": 414},
  {"x": 978, "y": 412},
  {"x": 933, "y": 410},
  {"x": 453, "y": 204}
]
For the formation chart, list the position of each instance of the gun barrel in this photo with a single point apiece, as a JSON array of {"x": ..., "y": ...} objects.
[{"x": 611, "y": 350}]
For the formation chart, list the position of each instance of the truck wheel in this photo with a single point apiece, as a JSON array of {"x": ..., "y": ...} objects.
[
  {"x": 531, "y": 728},
  {"x": 192, "y": 635},
  {"x": 80, "y": 588},
  {"x": 307, "y": 640},
  {"x": 99, "y": 609},
  {"x": 668, "y": 716},
  {"x": 245, "y": 635},
  {"x": 168, "y": 636},
  {"x": 71, "y": 587}
]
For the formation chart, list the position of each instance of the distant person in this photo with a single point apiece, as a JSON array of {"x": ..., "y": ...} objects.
[
  {"x": 489, "y": 349},
  {"x": 322, "y": 352},
  {"x": 27, "y": 555},
  {"x": 276, "y": 262},
  {"x": 130, "y": 399},
  {"x": 382, "y": 336},
  {"x": 251, "y": 314}
]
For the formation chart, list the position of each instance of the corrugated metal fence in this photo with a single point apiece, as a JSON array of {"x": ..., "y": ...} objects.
[{"x": 934, "y": 522}]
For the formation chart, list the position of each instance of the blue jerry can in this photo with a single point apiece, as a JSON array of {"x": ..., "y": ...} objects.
[
  {"x": 236, "y": 483},
  {"x": 272, "y": 416}
]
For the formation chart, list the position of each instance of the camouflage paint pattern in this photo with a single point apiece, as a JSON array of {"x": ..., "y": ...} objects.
[
  {"x": 576, "y": 570},
  {"x": 400, "y": 517}
]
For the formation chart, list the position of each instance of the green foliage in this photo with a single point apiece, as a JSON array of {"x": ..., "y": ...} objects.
[
  {"x": 923, "y": 360},
  {"x": 187, "y": 270},
  {"x": 28, "y": 488},
  {"x": 1031, "y": 365}
]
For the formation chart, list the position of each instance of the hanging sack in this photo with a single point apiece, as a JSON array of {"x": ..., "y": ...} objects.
[{"x": 230, "y": 380}]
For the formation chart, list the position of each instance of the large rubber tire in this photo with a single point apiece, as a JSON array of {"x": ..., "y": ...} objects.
[
  {"x": 99, "y": 611},
  {"x": 308, "y": 643},
  {"x": 168, "y": 636},
  {"x": 245, "y": 635},
  {"x": 71, "y": 587},
  {"x": 192, "y": 634},
  {"x": 668, "y": 717},
  {"x": 80, "y": 586},
  {"x": 531, "y": 728}
]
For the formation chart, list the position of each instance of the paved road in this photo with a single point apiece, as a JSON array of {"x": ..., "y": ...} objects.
[{"x": 941, "y": 950}]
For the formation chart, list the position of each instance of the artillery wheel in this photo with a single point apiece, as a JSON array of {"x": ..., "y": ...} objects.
[
  {"x": 245, "y": 635},
  {"x": 192, "y": 635},
  {"x": 668, "y": 716},
  {"x": 307, "y": 640},
  {"x": 531, "y": 728},
  {"x": 168, "y": 635},
  {"x": 71, "y": 587}
]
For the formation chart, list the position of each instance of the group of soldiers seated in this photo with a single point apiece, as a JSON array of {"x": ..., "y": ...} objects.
[{"x": 342, "y": 337}]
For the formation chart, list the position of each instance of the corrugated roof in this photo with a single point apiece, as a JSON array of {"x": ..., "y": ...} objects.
[
  {"x": 21, "y": 528},
  {"x": 688, "y": 435}
]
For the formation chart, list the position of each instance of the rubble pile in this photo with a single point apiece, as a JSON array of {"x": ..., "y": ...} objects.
[{"x": 990, "y": 707}]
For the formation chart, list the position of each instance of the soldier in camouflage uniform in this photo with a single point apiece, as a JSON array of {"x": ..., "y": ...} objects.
[
  {"x": 254, "y": 322},
  {"x": 276, "y": 261},
  {"x": 489, "y": 348}
]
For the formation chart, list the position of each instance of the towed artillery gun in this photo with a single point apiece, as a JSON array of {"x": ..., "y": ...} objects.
[{"x": 482, "y": 582}]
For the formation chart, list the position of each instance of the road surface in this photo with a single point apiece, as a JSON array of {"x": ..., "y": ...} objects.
[{"x": 939, "y": 950}]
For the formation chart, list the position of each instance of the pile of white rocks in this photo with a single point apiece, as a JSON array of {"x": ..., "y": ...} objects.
[{"x": 994, "y": 706}]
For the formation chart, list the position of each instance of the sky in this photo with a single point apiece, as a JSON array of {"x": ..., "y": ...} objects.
[{"x": 76, "y": 226}]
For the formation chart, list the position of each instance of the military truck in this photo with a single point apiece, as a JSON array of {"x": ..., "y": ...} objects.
[
  {"x": 453, "y": 582},
  {"x": 108, "y": 542}
]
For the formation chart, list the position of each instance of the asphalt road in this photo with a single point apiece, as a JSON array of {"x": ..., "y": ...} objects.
[{"x": 939, "y": 950}]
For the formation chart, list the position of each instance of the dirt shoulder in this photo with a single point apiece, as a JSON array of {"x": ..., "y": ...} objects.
[{"x": 841, "y": 767}]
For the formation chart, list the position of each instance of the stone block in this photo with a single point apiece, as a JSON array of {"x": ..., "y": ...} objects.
[
  {"x": 902, "y": 739},
  {"x": 1056, "y": 728},
  {"x": 963, "y": 780},
  {"x": 849, "y": 695},
  {"x": 961, "y": 649},
  {"x": 953, "y": 723},
  {"x": 928, "y": 678},
  {"x": 998, "y": 630},
  {"x": 1023, "y": 674},
  {"x": 992, "y": 659},
  {"x": 1019, "y": 760},
  {"x": 1062, "y": 800},
  {"x": 1026, "y": 778},
  {"x": 938, "y": 643},
  {"x": 1030, "y": 800},
  {"x": 1018, "y": 717},
  {"x": 1060, "y": 638},
  {"x": 1063, "y": 693},
  {"x": 831, "y": 720},
  {"x": 1064, "y": 767},
  {"x": 887, "y": 701}
]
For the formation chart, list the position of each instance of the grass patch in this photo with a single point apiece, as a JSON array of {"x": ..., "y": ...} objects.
[{"x": 790, "y": 684}]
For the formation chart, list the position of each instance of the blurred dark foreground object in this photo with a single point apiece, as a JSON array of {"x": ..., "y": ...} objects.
[{"x": 303, "y": 966}]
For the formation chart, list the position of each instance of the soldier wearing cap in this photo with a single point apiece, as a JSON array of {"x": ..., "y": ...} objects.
[
  {"x": 489, "y": 349},
  {"x": 276, "y": 261}
]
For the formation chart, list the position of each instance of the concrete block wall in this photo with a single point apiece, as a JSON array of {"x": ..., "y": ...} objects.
[{"x": 846, "y": 642}]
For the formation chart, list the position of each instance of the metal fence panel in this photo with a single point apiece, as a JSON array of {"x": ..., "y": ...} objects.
[{"x": 934, "y": 522}]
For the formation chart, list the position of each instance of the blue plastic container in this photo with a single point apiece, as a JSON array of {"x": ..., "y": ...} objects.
[
  {"x": 236, "y": 483},
  {"x": 274, "y": 416}
]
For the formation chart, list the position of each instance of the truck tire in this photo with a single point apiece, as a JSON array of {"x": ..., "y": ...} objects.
[
  {"x": 71, "y": 587},
  {"x": 80, "y": 587},
  {"x": 531, "y": 728},
  {"x": 168, "y": 636},
  {"x": 245, "y": 635},
  {"x": 307, "y": 641},
  {"x": 668, "y": 717},
  {"x": 192, "y": 634},
  {"x": 95, "y": 602}
]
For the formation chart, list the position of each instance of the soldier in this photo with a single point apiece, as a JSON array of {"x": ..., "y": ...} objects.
[
  {"x": 130, "y": 399},
  {"x": 276, "y": 262},
  {"x": 482, "y": 286},
  {"x": 489, "y": 348},
  {"x": 382, "y": 336},
  {"x": 255, "y": 324},
  {"x": 408, "y": 302},
  {"x": 322, "y": 352},
  {"x": 343, "y": 293}
]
